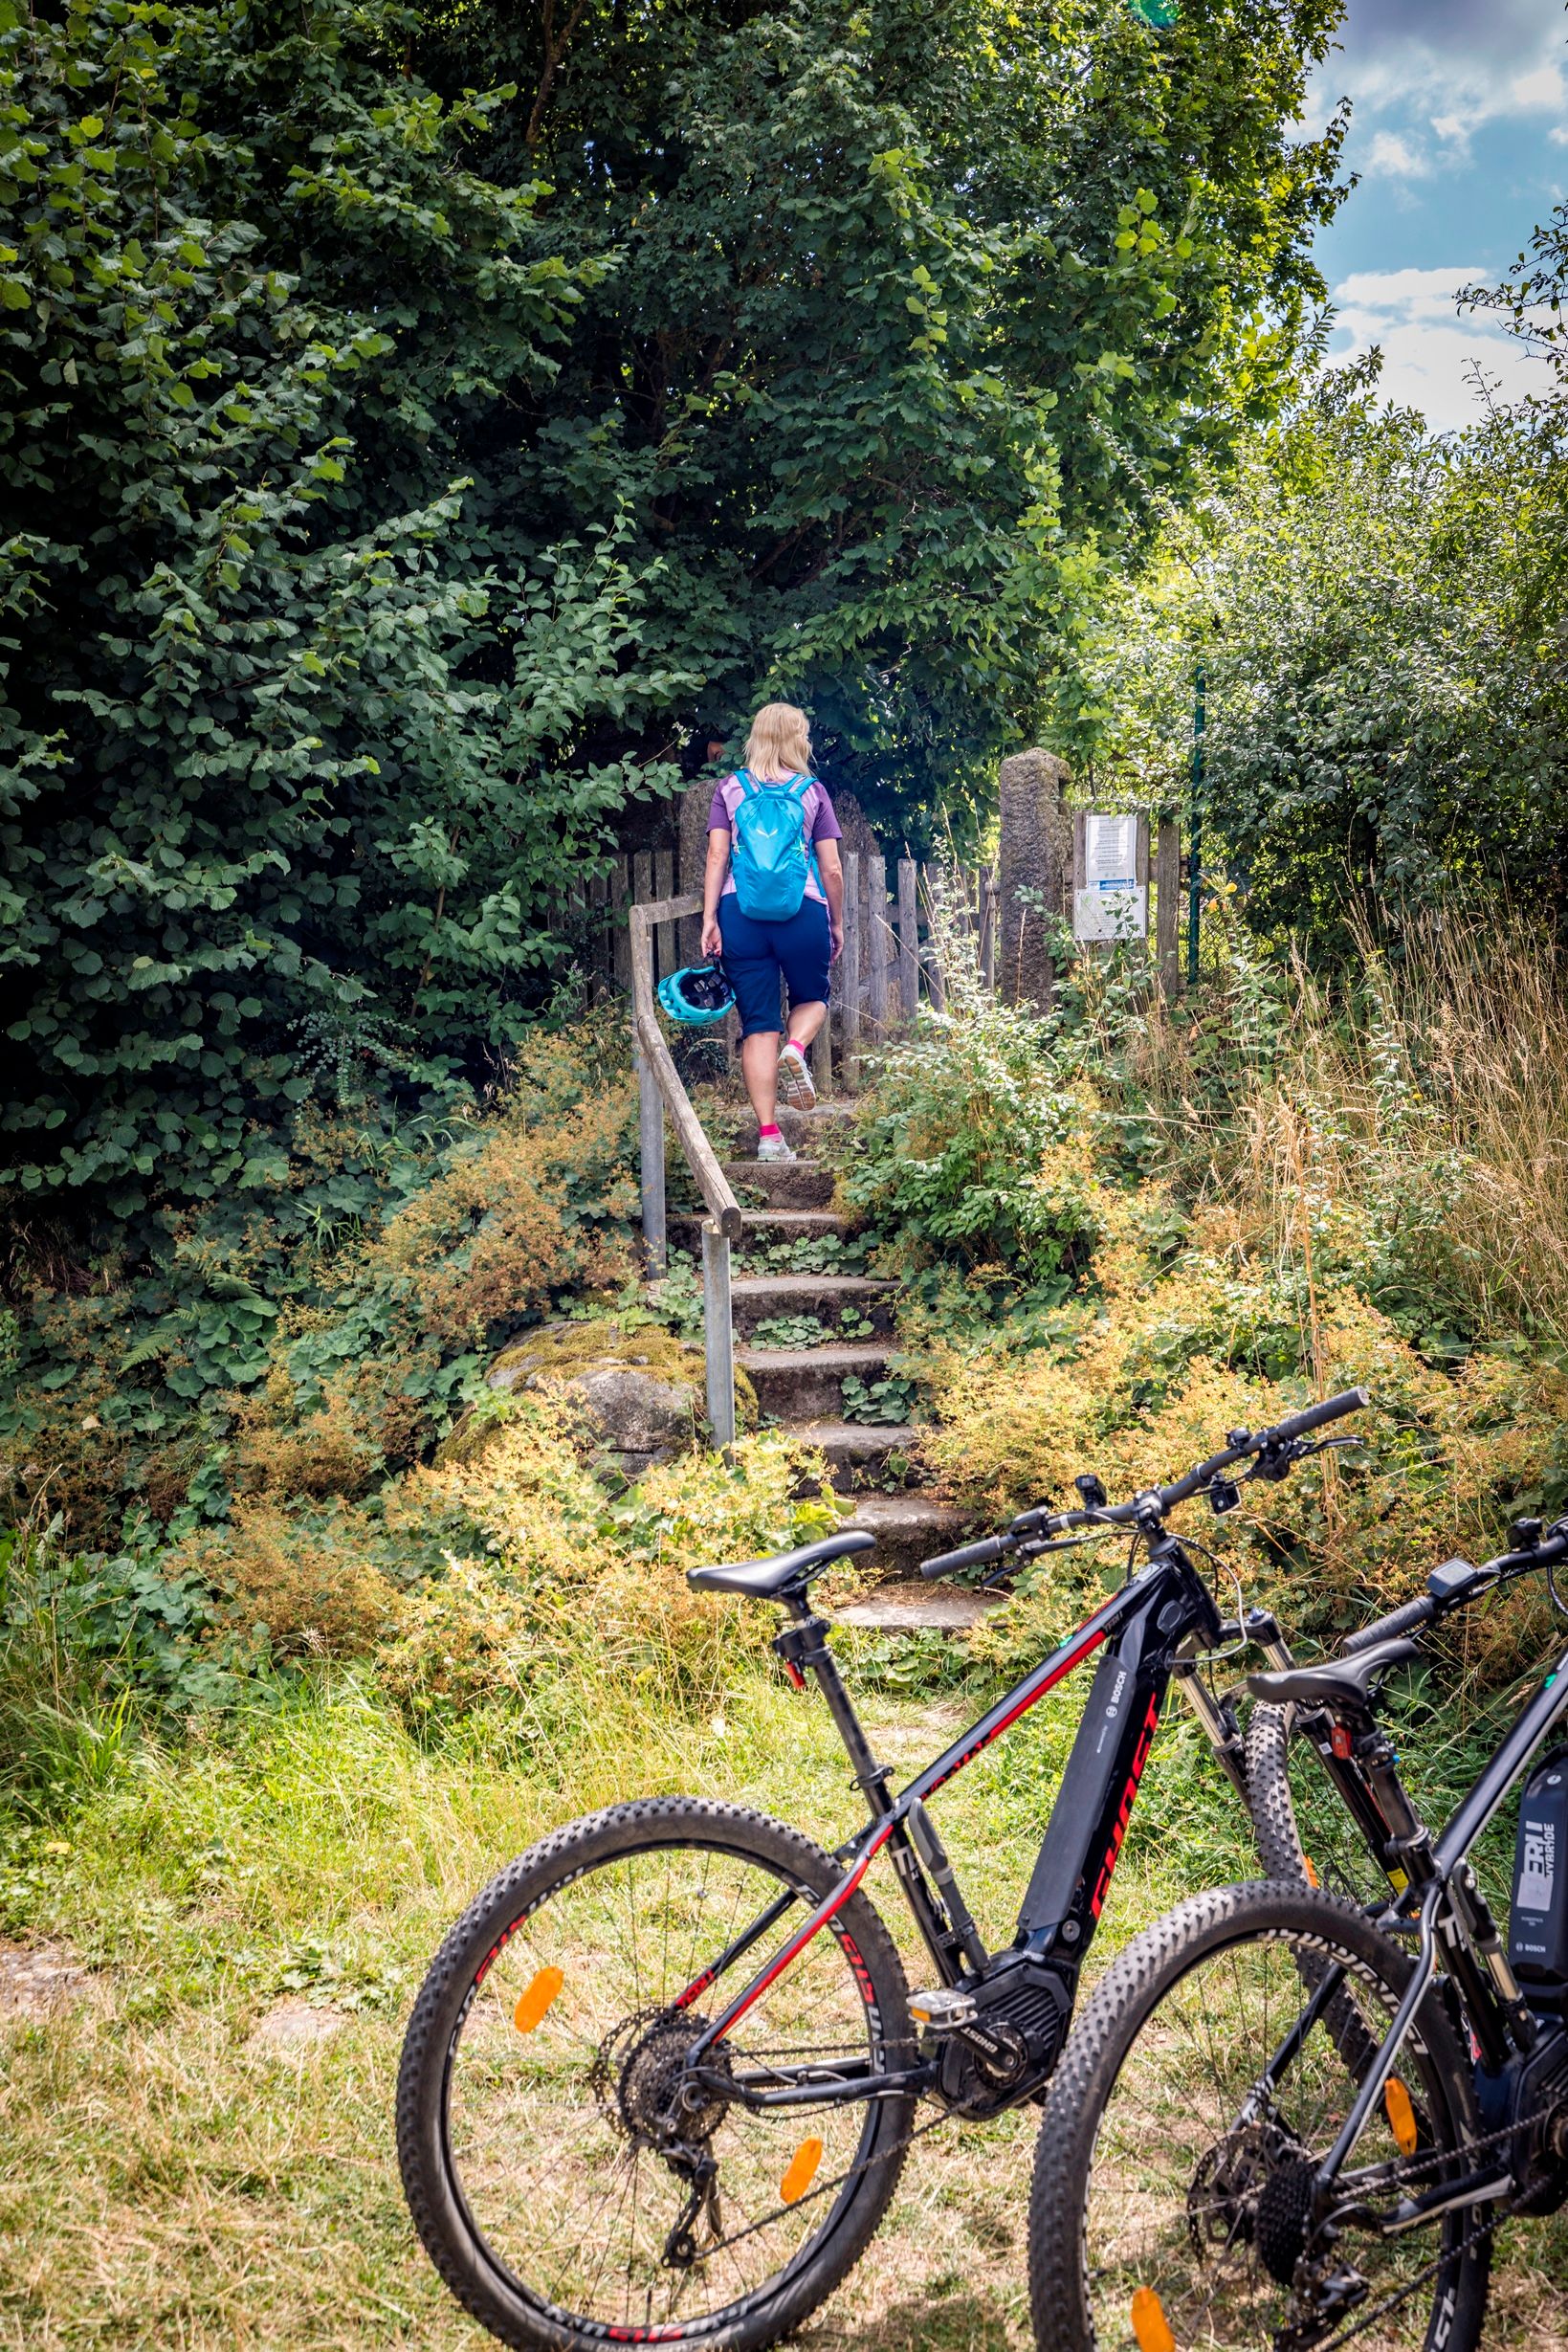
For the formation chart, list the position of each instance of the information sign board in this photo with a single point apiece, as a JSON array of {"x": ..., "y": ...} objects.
[{"x": 1110, "y": 903}]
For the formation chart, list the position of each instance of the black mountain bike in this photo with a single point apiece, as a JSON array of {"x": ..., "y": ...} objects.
[
  {"x": 661, "y": 2077},
  {"x": 1274, "y": 2125}
]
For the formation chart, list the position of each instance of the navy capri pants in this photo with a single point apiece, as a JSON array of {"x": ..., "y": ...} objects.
[{"x": 757, "y": 953}]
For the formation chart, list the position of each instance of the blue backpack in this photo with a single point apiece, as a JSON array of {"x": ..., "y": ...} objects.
[{"x": 770, "y": 862}]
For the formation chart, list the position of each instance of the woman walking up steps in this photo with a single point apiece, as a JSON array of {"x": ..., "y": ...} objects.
[{"x": 773, "y": 907}]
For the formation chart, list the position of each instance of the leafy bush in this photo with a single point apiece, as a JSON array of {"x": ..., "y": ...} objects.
[
  {"x": 972, "y": 1149},
  {"x": 304, "y": 1351},
  {"x": 557, "y": 1568},
  {"x": 876, "y": 1401}
]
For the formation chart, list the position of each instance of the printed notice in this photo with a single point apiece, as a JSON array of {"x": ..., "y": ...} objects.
[
  {"x": 1109, "y": 904},
  {"x": 1110, "y": 853}
]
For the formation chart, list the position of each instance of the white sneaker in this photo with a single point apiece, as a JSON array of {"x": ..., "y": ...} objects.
[
  {"x": 773, "y": 1147},
  {"x": 795, "y": 1082}
]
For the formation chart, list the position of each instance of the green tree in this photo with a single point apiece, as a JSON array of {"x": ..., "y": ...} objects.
[
  {"x": 416, "y": 423},
  {"x": 297, "y": 731},
  {"x": 1384, "y": 688},
  {"x": 899, "y": 289}
]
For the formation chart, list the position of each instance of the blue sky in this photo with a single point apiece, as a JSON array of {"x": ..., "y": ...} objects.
[{"x": 1460, "y": 133}]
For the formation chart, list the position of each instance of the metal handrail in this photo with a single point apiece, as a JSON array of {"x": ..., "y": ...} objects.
[{"x": 660, "y": 1090}]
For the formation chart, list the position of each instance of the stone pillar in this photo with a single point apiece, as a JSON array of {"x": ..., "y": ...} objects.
[
  {"x": 694, "y": 804},
  {"x": 1034, "y": 873}
]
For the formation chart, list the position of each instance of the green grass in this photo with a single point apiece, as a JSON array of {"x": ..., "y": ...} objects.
[{"x": 167, "y": 2184}]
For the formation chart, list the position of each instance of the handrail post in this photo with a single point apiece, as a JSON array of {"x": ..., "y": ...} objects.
[
  {"x": 719, "y": 1333},
  {"x": 650, "y": 1156},
  {"x": 659, "y": 1091}
]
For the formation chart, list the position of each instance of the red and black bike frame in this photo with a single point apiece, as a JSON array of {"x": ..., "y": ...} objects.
[{"x": 1138, "y": 1636}]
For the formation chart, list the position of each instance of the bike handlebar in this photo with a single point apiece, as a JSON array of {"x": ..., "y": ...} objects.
[
  {"x": 1419, "y": 1611},
  {"x": 1240, "y": 1445},
  {"x": 1428, "y": 1607}
]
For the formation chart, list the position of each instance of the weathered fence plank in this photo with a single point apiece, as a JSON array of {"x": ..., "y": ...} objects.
[
  {"x": 847, "y": 974},
  {"x": 909, "y": 941},
  {"x": 666, "y": 939},
  {"x": 877, "y": 944}
]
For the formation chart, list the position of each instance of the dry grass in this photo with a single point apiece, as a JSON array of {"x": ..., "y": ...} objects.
[
  {"x": 171, "y": 2184},
  {"x": 1426, "y": 1121}
]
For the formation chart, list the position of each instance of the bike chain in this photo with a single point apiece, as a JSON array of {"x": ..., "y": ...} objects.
[
  {"x": 822, "y": 2189},
  {"x": 1410, "y": 2168}
]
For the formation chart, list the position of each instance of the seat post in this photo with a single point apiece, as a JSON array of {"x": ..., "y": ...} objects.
[{"x": 804, "y": 1649}]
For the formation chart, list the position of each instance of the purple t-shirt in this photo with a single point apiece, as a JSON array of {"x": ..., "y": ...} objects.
[{"x": 817, "y": 818}]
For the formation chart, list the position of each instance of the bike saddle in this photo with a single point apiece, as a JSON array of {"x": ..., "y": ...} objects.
[
  {"x": 765, "y": 1579},
  {"x": 1338, "y": 1682}
]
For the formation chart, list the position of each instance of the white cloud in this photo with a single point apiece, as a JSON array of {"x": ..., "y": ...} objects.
[
  {"x": 1450, "y": 64},
  {"x": 1428, "y": 344},
  {"x": 1542, "y": 92},
  {"x": 1394, "y": 157}
]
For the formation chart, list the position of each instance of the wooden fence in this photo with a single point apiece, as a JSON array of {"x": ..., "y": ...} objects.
[{"x": 886, "y": 969}]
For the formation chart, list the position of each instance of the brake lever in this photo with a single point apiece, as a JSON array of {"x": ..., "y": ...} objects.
[
  {"x": 1275, "y": 1462},
  {"x": 1024, "y": 1553}
]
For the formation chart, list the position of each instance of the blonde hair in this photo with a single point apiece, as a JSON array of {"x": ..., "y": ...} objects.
[{"x": 780, "y": 743}]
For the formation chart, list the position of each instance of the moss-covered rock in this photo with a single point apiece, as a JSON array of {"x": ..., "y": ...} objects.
[{"x": 642, "y": 1392}]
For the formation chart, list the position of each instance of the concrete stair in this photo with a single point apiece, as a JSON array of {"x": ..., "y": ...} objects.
[
  {"x": 783, "y": 1183},
  {"x": 806, "y": 1384},
  {"x": 802, "y": 1388},
  {"x": 908, "y": 1529},
  {"x": 901, "y": 1607},
  {"x": 758, "y": 1297},
  {"x": 858, "y": 1453},
  {"x": 766, "y": 1224}
]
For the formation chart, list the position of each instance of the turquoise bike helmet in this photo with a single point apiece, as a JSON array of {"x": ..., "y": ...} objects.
[{"x": 697, "y": 996}]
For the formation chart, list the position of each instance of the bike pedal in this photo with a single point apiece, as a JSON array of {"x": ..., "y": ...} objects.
[{"x": 943, "y": 2010}]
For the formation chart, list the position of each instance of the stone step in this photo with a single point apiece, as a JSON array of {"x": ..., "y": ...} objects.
[
  {"x": 784, "y": 1183},
  {"x": 857, "y": 1452},
  {"x": 757, "y": 1298},
  {"x": 908, "y": 1528},
  {"x": 804, "y": 1128},
  {"x": 766, "y": 1224},
  {"x": 805, "y": 1383},
  {"x": 919, "y": 1609}
]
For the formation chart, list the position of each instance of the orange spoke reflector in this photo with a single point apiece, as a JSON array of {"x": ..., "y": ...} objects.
[
  {"x": 1150, "y": 2325},
  {"x": 537, "y": 1999},
  {"x": 1313, "y": 1878},
  {"x": 1402, "y": 2116},
  {"x": 802, "y": 2172}
]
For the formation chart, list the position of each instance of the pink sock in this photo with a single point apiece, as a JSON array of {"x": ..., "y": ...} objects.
[
  {"x": 766, "y": 1131},
  {"x": 801, "y": 1047}
]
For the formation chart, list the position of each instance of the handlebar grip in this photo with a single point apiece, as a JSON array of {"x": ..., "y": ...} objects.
[
  {"x": 1419, "y": 1611},
  {"x": 967, "y": 1556},
  {"x": 1331, "y": 1409}
]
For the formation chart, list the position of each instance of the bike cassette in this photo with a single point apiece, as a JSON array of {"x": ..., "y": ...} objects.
[{"x": 641, "y": 2081}]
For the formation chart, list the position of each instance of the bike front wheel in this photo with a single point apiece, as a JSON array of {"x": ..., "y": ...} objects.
[
  {"x": 566, "y": 2180},
  {"x": 1172, "y": 2205}
]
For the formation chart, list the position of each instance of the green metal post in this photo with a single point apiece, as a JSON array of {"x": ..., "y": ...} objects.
[{"x": 1195, "y": 842}]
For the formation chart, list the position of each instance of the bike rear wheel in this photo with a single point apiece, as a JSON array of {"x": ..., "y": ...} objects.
[
  {"x": 546, "y": 2174},
  {"x": 1170, "y": 2202}
]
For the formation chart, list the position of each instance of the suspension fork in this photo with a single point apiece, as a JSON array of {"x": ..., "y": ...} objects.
[{"x": 1216, "y": 1717}]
